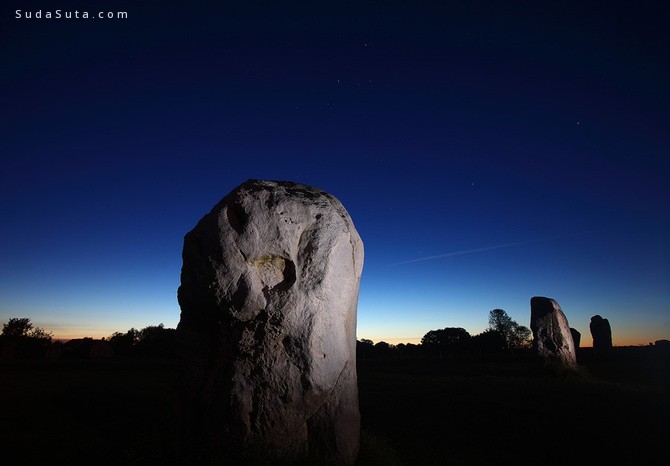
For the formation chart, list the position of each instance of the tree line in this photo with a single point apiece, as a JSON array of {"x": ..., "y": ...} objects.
[
  {"x": 503, "y": 334},
  {"x": 21, "y": 339}
]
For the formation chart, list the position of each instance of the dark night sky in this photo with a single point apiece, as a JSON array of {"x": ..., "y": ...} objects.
[{"x": 487, "y": 153}]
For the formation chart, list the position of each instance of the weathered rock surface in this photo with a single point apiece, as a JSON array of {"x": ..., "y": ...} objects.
[
  {"x": 268, "y": 296},
  {"x": 552, "y": 338},
  {"x": 601, "y": 333},
  {"x": 576, "y": 337}
]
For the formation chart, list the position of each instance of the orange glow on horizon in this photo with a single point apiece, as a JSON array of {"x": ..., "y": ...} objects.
[
  {"x": 631, "y": 337},
  {"x": 617, "y": 340},
  {"x": 76, "y": 336}
]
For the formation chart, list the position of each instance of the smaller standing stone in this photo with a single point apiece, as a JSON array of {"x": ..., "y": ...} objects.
[
  {"x": 576, "y": 337},
  {"x": 601, "y": 333},
  {"x": 552, "y": 338}
]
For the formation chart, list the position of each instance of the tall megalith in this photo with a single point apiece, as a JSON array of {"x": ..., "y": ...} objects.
[
  {"x": 268, "y": 296},
  {"x": 552, "y": 338},
  {"x": 601, "y": 333}
]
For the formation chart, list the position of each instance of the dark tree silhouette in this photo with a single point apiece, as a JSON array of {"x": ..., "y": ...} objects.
[
  {"x": 445, "y": 337},
  {"x": 22, "y": 340},
  {"x": 22, "y": 327},
  {"x": 367, "y": 349},
  {"x": 513, "y": 334},
  {"x": 449, "y": 339},
  {"x": 489, "y": 341},
  {"x": 407, "y": 350},
  {"x": 124, "y": 343},
  {"x": 383, "y": 349},
  {"x": 152, "y": 342},
  {"x": 156, "y": 341},
  {"x": 364, "y": 349}
]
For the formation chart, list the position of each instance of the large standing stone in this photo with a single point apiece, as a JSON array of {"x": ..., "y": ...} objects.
[
  {"x": 268, "y": 296},
  {"x": 552, "y": 338},
  {"x": 601, "y": 333}
]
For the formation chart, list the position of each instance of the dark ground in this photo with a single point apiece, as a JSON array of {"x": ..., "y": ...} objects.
[{"x": 461, "y": 411}]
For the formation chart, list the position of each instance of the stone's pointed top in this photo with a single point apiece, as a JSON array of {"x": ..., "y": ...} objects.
[
  {"x": 542, "y": 300},
  {"x": 543, "y": 306},
  {"x": 282, "y": 191},
  {"x": 277, "y": 184}
]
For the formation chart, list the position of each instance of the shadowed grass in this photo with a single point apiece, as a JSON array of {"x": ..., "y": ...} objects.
[
  {"x": 611, "y": 410},
  {"x": 377, "y": 450}
]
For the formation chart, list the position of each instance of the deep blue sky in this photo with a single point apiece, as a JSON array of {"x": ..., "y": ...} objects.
[{"x": 527, "y": 146}]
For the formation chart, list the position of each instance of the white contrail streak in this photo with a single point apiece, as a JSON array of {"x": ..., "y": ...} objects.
[{"x": 487, "y": 248}]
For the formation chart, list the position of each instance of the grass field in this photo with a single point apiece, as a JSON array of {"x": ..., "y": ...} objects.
[{"x": 474, "y": 411}]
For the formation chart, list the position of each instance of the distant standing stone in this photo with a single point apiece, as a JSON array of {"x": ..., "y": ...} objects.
[
  {"x": 552, "y": 338},
  {"x": 601, "y": 333},
  {"x": 268, "y": 296},
  {"x": 576, "y": 337}
]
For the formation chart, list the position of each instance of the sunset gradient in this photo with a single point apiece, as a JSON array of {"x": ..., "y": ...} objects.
[{"x": 487, "y": 153}]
